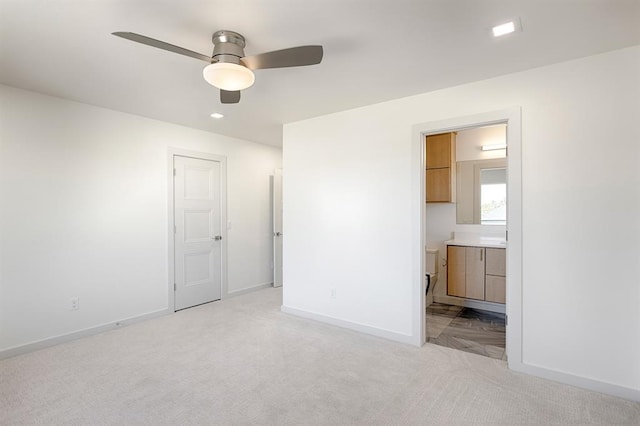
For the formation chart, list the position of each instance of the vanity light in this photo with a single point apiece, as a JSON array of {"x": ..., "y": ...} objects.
[
  {"x": 494, "y": 147},
  {"x": 217, "y": 115}
]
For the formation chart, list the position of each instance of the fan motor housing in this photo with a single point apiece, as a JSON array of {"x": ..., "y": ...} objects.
[{"x": 228, "y": 46}]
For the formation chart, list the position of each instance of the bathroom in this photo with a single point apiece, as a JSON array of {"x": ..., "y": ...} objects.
[{"x": 466, "y": 230}]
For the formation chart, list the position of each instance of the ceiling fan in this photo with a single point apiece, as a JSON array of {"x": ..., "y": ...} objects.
[{"x": 229, "y": 69}]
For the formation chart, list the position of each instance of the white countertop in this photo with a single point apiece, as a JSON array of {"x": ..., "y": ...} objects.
[{"x": 477, "y": 241}]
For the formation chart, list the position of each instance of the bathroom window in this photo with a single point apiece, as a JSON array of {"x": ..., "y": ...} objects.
[{"x": 493, "y": 196}]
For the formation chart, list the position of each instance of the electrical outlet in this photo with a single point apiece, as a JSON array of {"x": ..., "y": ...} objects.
[
  {"x": 333, "y": 293},
  {"x": 75, "y": 303}
]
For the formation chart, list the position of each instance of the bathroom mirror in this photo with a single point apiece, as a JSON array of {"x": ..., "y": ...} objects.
[{"x": 481, "y": 187}]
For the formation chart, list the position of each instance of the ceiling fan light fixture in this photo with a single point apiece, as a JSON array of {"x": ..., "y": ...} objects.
[{"x": 228, "y": 76}]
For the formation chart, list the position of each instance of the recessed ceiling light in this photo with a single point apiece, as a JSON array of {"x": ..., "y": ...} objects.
[
  {"x": 217, "y": 115},
  {"x": 500, "y": 30}
]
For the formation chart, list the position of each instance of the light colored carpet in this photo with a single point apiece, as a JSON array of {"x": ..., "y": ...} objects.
[{"x": 243, "y": 362}]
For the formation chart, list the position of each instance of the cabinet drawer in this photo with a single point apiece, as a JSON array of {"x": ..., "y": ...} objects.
[
  {"x": 496, "y": 262},
  {"x": 495, "y": 289}
]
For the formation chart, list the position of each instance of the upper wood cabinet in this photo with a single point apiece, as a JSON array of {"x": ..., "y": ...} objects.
[
  {"x": 441, "y": 168},
  {"x": 438, "y": 185},
  {"x": 441, "y": 150}
]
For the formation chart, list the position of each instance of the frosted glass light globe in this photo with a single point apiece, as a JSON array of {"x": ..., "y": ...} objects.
[{"x": 228, "y": 76}]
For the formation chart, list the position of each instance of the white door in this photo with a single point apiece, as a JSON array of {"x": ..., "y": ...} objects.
[
  {"x": 198, "y": 240},
  {"x": 277, "y": 228}
]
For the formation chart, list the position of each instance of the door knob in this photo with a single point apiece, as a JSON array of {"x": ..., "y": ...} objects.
[{"x": 217, "y": 237}]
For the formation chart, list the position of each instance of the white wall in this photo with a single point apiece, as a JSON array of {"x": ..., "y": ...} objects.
[
  {"x": 84, "y": 213},
  {"x": 349, "y": 218}
]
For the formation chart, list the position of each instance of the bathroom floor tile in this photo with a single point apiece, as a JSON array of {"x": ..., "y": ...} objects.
[
  {"x": 449, "y": 311},
  {"x": 495, "y": 352},
  {"x": 466, "y": 329},
  {"x": 476, "y": 334},
  {"x": 436, "y": 325},
  {"x": 460, "y": 344}
]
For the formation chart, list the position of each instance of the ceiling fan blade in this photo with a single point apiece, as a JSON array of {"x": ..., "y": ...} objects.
[
  {"x": 292, "y": 57},
  {"x": 229, "y": 97},
  {"x": 161, "y": 45}
]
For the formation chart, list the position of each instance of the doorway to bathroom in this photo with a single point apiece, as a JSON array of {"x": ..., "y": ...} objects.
[
  {"x": 466, "y": 222},
  {"x": 470, "y": 234}
]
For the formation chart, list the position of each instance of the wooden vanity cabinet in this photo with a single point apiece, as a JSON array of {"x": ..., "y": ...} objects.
[
  {"x": 441, "y": 168},
  {"x": 476, "y": 273},
  {"x": 456, "y": 271},
  {"x": 495, "y": 279},
  {"x": 474, "y": 264},
  {"x": 465, "y": 272}
]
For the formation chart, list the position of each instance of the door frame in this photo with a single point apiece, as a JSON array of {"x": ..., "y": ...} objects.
[
  {"x": 511, "y": 117},
  {"x": 172, "y": 152},
  {"x": 277, "y": 194}
]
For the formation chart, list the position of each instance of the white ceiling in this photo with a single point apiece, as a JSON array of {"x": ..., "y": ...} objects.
[{"x": 375, "y": 50}]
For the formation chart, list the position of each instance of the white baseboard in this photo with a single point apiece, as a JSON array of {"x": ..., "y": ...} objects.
[
  {"x": 52, "y": 341},
  {"x": 577, "y": 381},
  {"x": 468, "y": 303},
  {"x": 56, "y": 340},
  {"x": 581, "y": 382},
  {"x": 556, "y": 376},
  {"x": 248, "y": 290},
  {"x": 386, "y": 334}
]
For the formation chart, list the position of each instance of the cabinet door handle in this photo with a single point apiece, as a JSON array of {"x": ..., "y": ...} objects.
[{"x": 481, "y": 251}]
